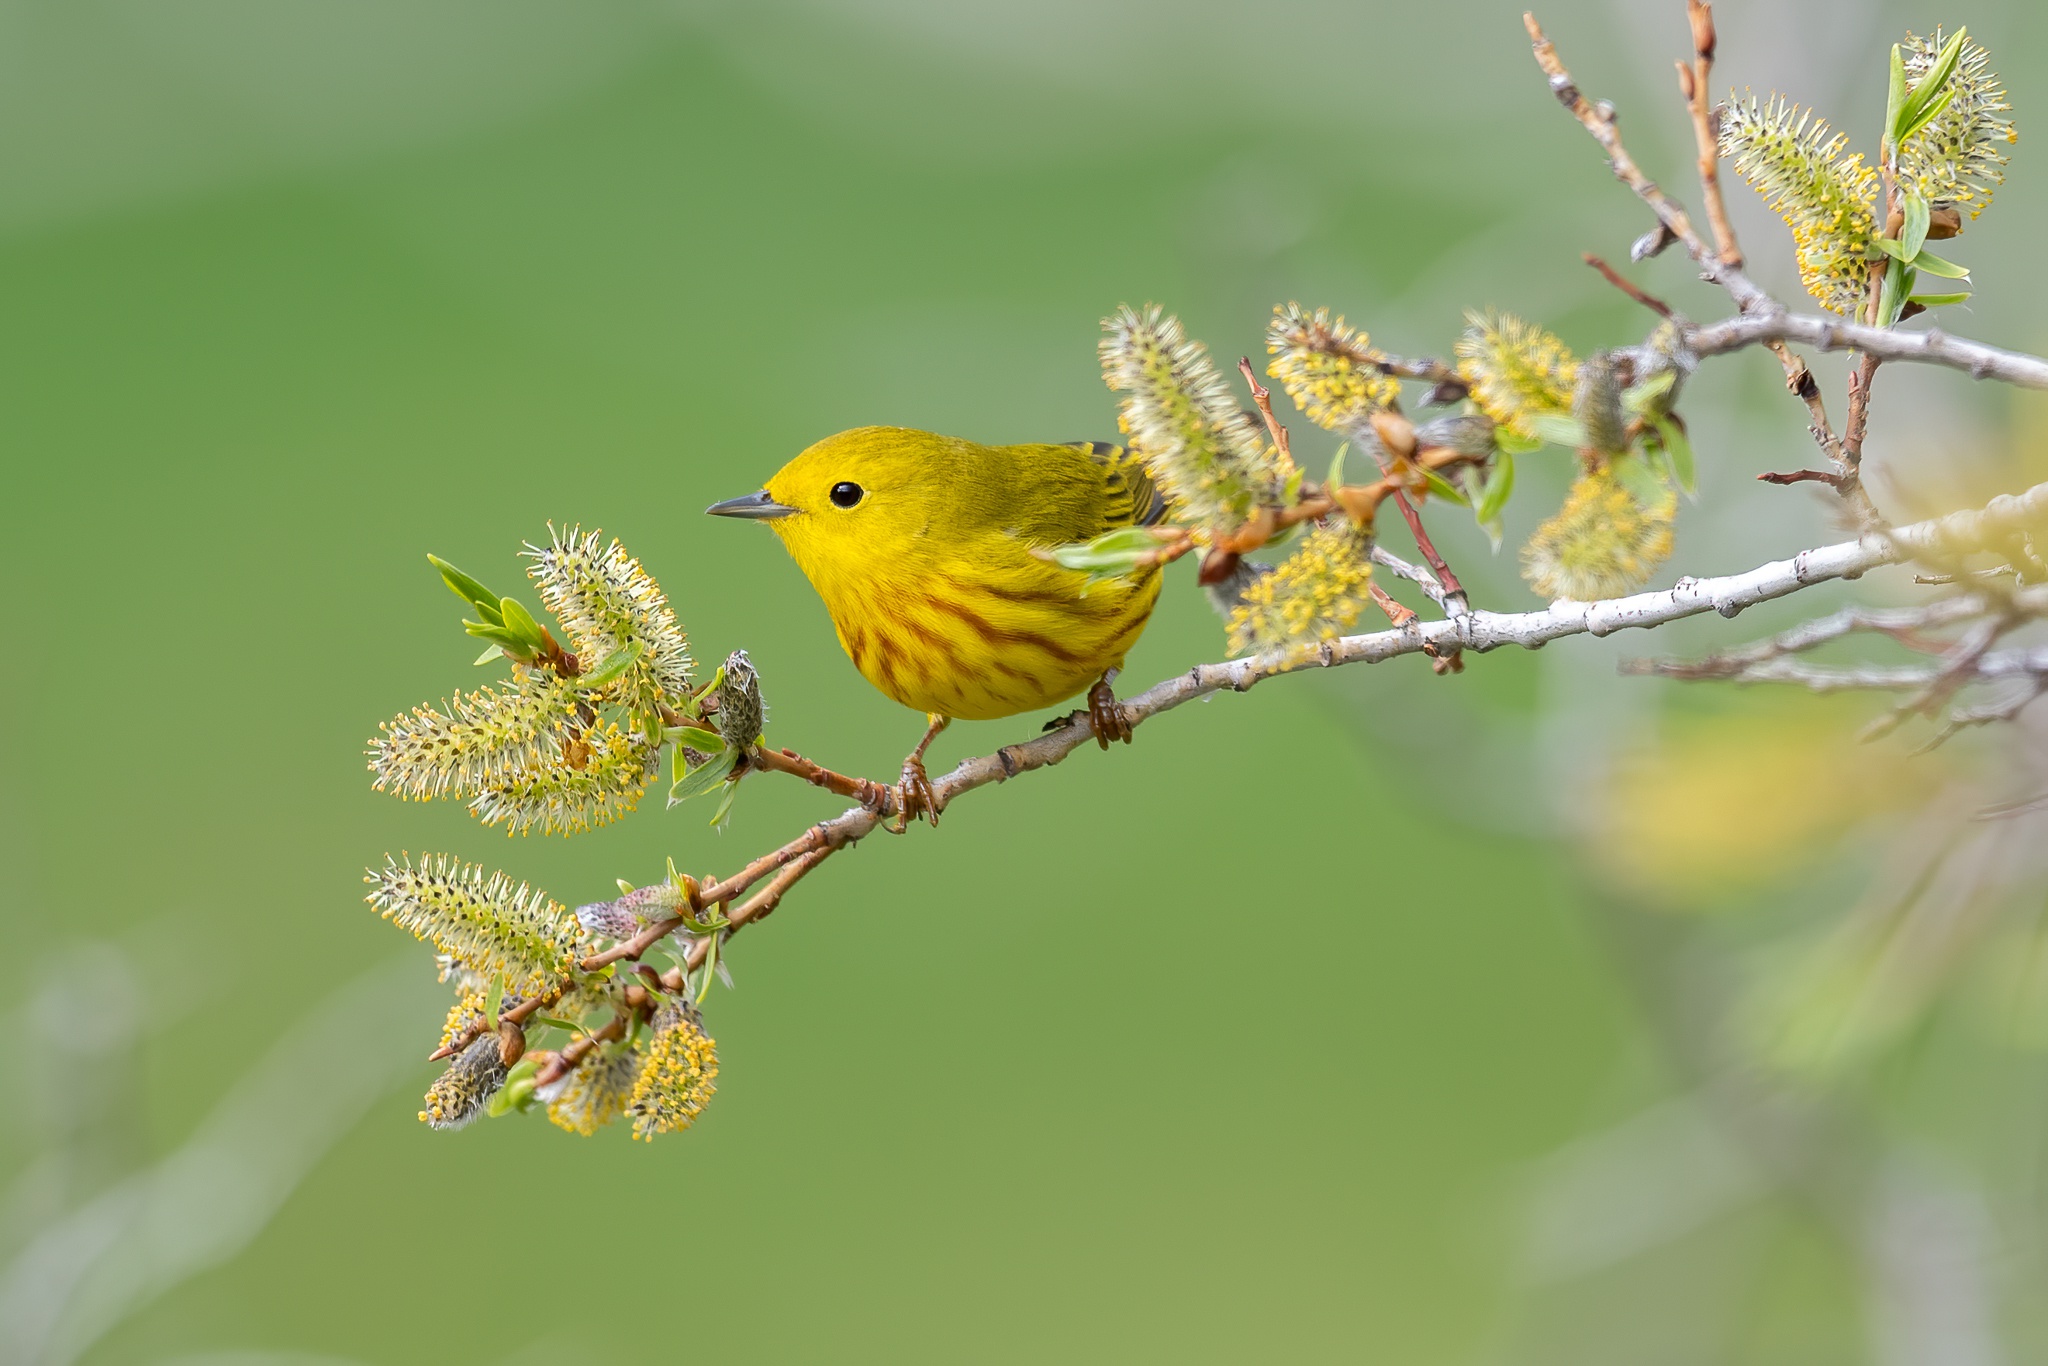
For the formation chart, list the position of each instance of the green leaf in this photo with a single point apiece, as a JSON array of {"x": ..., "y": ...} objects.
[
  {"x": 710, "y": 965},
  {"x": 1914, "y": 112},
  {"x": 569, "y": 1027},
  {"x": 517, "y": 1092},
  {"x": 494, "y": 999},
  {"x": 521, "y": 624},
  {"x": 1892, "y": 248},
  {"x": 1648, "y": 397},
  {"x": 1934, "y": 265},
  {"x": 1633, "y": 473},
  {"x": 508, "y": 643},
  {"x": 703, "y": 741},
  {"x": 1914, "y": 235},
  {"x": 1895, "y": 96},
  {"x": 1445, "y": 489},
  {"x": 1514, "y": 443},
  {"x": 1495, "y": 533},
  {"x": 1336, "y": 479},
  {"x": 1678, "y": 447},
  {"x": 1928, "y": 115},
  {"x": 495, "y": 652},
  {"x": 1893, "y": 295},
  {"x": 1940, "y": 300},
  {"x": 615, "y": 664},
  {"x": 1500, "y": 483},
  {"x": 702, "y": 778},
  {"x": 1558, "y": 430},
  {"x": 721, "y": 817},
  {"x": 469, "y": 590},
  {"x": 1110, "y": 555}
]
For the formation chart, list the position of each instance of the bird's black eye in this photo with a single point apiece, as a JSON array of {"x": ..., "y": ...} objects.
[{"x": 845, "y": 495}]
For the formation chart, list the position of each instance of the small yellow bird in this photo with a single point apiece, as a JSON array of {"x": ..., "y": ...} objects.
[{"x": 921, "y": 546}]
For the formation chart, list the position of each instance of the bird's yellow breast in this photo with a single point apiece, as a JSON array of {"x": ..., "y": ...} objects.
[
  {"x": 921, "y": 546},
  {"x": 987, "y": 634}
]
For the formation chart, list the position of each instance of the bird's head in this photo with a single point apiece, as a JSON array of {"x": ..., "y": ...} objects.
[{"x": 852, "y": 499}]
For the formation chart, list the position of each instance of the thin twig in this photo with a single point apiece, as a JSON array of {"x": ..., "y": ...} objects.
[
  {"x": 1599, "y": 121},
  {"x": 1263, "y": 396},
  {"x": 1828, "y": 477},
  {"x": 1695, "y": 82},
  {"x": 1621, "y": 282}
]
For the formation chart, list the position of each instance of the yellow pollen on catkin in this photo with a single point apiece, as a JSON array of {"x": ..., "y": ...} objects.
[
  {"x": 1826, "y": 196},
  {"x": 677, "y": 1077},
  {"x": 1317, "y": 593},
  {"x": 1601, "y": 544},
  {"x": 597, "y": 1092},
  {"x": 1330, "y": 370},
  {"x": 1517, "y": 371}
]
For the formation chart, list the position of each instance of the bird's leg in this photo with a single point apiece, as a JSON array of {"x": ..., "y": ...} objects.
[
  {"x": 1107, "y": 714},
  {"x": 918, "y": 799}
]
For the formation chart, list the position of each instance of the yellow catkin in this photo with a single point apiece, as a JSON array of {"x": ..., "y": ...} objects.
[
  {"x": 1517, "y": 371},
  {"x": 1328, "y": 369},
  {"x": 1826, "y": 197},
  {"x": 467, "y": 1010},
  {"x": 1208, "y": 458},
  {"x": 678, "y": 1076},
  {"x": 1317, "y": 593},
  {"x": 1601, "y": 544},
  {"x": 607, "y": 602},
  {"x": 475, "y": 739},
  {"x": 597, "y": 1092},
  {"x": 561, "y": 799},
  {"x": 1956, "y": 157},
  {"x": 484, "y": 921}
]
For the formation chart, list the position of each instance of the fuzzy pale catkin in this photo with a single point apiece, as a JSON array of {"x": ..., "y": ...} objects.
[
  {"x": 1596, "y": 403},
  {"x": 633, "y": 912},
  {"x": 1328, "y": 369},
  {"x": 485, "y": 922},
  {"x": 561, "y": 799},
  {"x": 741, "y": 713},
  {"x": 607, "y": 602},
  {"x": 1601, "y": 544},
  {"x": 481, "y": 738},
  {"x": 1825, "y": 195},
  {"x": 460, "y": 1094},
  {"x": 1517, "y": 371},
  {"x": 678, "y": 1076},
  {"x": 1210, "y": 460},
  {"x": 1317, "y": 593},
  {"x": 1956, "y": 158}
]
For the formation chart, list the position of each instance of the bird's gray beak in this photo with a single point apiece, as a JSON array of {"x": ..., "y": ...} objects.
[{"x": 758, "y": 507}]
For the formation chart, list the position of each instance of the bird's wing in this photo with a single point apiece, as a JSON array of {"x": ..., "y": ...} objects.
[{"x": 1129, "y": 498}]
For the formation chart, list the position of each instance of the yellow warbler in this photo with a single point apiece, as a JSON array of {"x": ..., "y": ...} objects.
[{"x": 921, "y": 546}]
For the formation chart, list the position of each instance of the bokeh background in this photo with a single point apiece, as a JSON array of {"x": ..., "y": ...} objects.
[{"x": 1371, "y": 1016}]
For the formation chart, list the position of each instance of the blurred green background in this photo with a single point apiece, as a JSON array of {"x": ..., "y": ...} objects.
[{"x": 1279, "y": 1036}]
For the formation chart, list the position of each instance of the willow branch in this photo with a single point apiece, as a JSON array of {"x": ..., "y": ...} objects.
[
  {"x": 1932, "y": 347},
  {"x": 1957, "y": 533}
]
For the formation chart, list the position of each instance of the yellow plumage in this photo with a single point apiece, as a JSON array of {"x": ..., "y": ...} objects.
[{"x": 921, "y": 546}]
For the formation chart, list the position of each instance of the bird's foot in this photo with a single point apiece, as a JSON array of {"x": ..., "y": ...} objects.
[
  {"x": 914, "y": 794},
  {"x": 1109, "y": 717}
]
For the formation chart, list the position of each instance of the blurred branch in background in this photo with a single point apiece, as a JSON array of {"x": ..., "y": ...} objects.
[{"x": 86, "y": 1269}]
